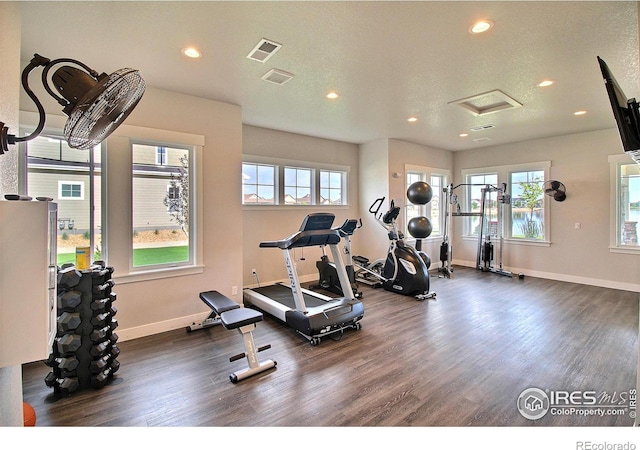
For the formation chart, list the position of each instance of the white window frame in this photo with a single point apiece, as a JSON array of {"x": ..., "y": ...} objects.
[
  {"x": 509, "y": 220},
  {"x": 504, "y": 176},
  {"x": 257, "y": 185},
  {"x": 311, "y": 186},
  {"x": 315, "y": 168},
  {"x": 161, "y": 155},
  {"x": 343, "y": 186},
  {"x": 426, "y": 173},
  {"x": 71, "y": 183},
  {"x": 24, "y": 178},
  {"x": 615, "y": 238}
]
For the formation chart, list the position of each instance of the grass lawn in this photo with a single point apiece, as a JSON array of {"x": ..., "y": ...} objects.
[{"x": 144, "y": 256}]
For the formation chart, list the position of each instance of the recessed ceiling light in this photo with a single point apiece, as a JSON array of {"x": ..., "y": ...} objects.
[
  {"x": 412, "y": 119},
  {"x": 463, "y": 134},
  {"x": 332, "y": 95},
  {"x": 546, "y": 83},
  {"x": 481, "y": 26},
  {"x": 579, "y": 113},
  {"x": 191, "y": 52}
]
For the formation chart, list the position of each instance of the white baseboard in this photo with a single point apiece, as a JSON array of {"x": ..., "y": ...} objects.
[
  {"x": 159, "y": 327},
  {"x": 633, "y": 287}
]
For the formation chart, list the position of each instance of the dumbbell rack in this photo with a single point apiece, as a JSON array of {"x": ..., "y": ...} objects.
[{"x": 84, "y": 352}]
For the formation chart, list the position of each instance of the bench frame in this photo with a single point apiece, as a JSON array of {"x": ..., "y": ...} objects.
[{"x": 228, "y": 313}]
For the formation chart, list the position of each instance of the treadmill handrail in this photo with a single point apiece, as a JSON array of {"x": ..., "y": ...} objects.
[{"x": 309, "y": 238}]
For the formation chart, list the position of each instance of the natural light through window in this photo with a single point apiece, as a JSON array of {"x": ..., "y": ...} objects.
[{"x": 161, "y": 206}]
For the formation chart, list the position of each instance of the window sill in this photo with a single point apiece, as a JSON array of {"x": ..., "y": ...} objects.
[
  {"x": 527, "y": 242},
  {"x": 157, "y": 274},
  {"x": 625, "y": 250},
  {"x": 515, "y": 241},
  {"x": 288, "y": 207}
]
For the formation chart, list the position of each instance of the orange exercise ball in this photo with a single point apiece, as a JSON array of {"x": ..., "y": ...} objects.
[{"x": 29, "y": 415}]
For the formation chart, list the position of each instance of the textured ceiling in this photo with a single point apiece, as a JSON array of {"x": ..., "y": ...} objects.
[{"x": 387, "y": 60}]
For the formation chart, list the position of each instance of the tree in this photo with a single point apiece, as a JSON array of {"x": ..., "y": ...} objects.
[
  {"x": 531, "y": 194},
  {"x": 177, "y": 197}
]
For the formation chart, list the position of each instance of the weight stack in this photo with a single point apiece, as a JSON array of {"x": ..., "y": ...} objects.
[{"x": 85, "y": 350}]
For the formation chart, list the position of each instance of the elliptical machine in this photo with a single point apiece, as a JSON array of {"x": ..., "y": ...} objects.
[
  {"x": 404, "y": 270},
  {"x": 327, "y": 273}
]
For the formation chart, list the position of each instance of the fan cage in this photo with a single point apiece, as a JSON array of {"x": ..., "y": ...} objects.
[
  {"x": 555, "y": 189},
  {"x": 102, "y": 110}
]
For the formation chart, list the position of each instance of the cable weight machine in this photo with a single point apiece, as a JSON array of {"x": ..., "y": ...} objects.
[{"x": 487, "y": 228}]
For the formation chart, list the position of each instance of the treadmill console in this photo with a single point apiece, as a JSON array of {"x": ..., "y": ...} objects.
[
  {"x": 315, "y": 231},
  {"x": 317, "y": 221}
]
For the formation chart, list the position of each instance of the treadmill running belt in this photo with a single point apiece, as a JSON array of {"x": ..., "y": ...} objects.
[{"x": 284, "y": 296}]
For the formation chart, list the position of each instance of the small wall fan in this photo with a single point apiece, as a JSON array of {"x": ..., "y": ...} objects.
[
  {"x": 555, "y": 189},
  {"x": 96, "y": 104}
]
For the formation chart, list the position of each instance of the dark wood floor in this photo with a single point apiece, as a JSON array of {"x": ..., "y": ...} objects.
[{"x": 460, "y": 360}]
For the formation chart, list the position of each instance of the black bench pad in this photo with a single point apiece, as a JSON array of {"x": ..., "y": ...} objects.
[
  {"x": 218, "y": 302},
  {"x": 236, "y": 318}
]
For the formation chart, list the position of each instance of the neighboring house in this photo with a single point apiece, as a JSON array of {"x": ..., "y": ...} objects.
[{"x": 62, "y": 173}]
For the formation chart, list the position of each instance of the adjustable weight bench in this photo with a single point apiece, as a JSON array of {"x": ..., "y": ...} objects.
[{"x": 233, "y": 317}]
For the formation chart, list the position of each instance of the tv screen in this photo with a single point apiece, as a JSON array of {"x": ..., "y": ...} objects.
[{"x": 625, "y": 112}]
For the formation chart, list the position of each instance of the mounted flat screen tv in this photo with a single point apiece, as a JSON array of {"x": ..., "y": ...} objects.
[{"x": 625, "y": 112}]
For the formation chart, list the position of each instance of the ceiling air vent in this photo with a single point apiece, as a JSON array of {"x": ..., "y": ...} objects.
[
  {"x": 277, "y": 76},
  {"x": 264, "y": 50},
  {"x": 483, "y": 127},
  {"x": 487, "y": 103}
]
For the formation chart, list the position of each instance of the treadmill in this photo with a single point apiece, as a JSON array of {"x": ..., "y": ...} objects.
[{"x": 311, "y": 314}]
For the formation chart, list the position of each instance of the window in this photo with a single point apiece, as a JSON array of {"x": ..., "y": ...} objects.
[
  {"x": 435, "y": 211},
  {"x": 69, "y": 190},
  {"x": 437, "y": 179},
  {"x": 297, "y": 186},
  {"x": 527, "y": 205},
  {"x": 258, "y": 184},
  {"x": 71, "y": 177},
  {"x": 475, "y": 184},
  {"x": 524, "y": 216},
  {"x": 332, "y": 187},
  {"x": 161, "y": 207},
  {"x": 161, "y": 156},
  {"x": 173, "y": 199},
  {"x": 626, "y": 206},
  {"x": 266, "y": 183}
]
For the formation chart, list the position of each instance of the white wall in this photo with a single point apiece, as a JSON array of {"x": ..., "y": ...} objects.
[
  {"x": 10, "y": 377},
  {"x": 371, "y": 240},
  {"x": 583, "y": 256},
  {"x": 379, "y": 161}
]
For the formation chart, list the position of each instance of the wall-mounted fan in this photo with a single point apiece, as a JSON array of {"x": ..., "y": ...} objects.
[
  {"x": 96, "y": 104},
  {"x": 555, "y": 189}
]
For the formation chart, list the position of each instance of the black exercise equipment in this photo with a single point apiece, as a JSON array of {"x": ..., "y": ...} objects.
[
  {"x": 404, "y": 270},
  {"x": 309, "y": 313},
  {"x": 233, "y": 317},
  {"x": 84, "y": 352},
  {"x": 487, "y": 228},
  {"x": 327, "y": 273}
]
